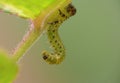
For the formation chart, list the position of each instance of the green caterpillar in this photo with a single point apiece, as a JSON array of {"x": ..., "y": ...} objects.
[{"x": 52, "y": 32}]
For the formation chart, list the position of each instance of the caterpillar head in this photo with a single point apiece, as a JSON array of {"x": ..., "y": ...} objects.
[{"x": 71, "y": 10}]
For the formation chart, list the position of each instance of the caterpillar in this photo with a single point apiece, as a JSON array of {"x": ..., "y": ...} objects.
[{"x": 58, "y": 55}]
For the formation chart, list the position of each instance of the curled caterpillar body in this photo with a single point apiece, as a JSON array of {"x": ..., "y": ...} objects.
[
  {"x": 53, "y": 58},
  {"x": 52, "y": 32}
]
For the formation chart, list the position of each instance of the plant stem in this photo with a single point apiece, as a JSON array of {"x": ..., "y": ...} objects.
[{"x": 28, "y": 40}]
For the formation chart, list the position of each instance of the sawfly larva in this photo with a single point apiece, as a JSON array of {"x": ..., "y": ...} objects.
[{"x": 52, "y": 32}]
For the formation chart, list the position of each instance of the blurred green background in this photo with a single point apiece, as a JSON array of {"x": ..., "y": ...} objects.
[{"x": 91, "y": 38}]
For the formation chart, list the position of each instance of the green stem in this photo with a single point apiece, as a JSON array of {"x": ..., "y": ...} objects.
[{"x": 28, "y": 40}]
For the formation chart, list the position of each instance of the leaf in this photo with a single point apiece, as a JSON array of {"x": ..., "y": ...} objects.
[
  {"x": 8, "y": 68},
  {"x": 26, "y": 8}
]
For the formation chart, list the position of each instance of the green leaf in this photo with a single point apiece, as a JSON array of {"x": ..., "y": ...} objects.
[
  {"x": 26, "y": 8},
  {"x": 8, "y": 68}
]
